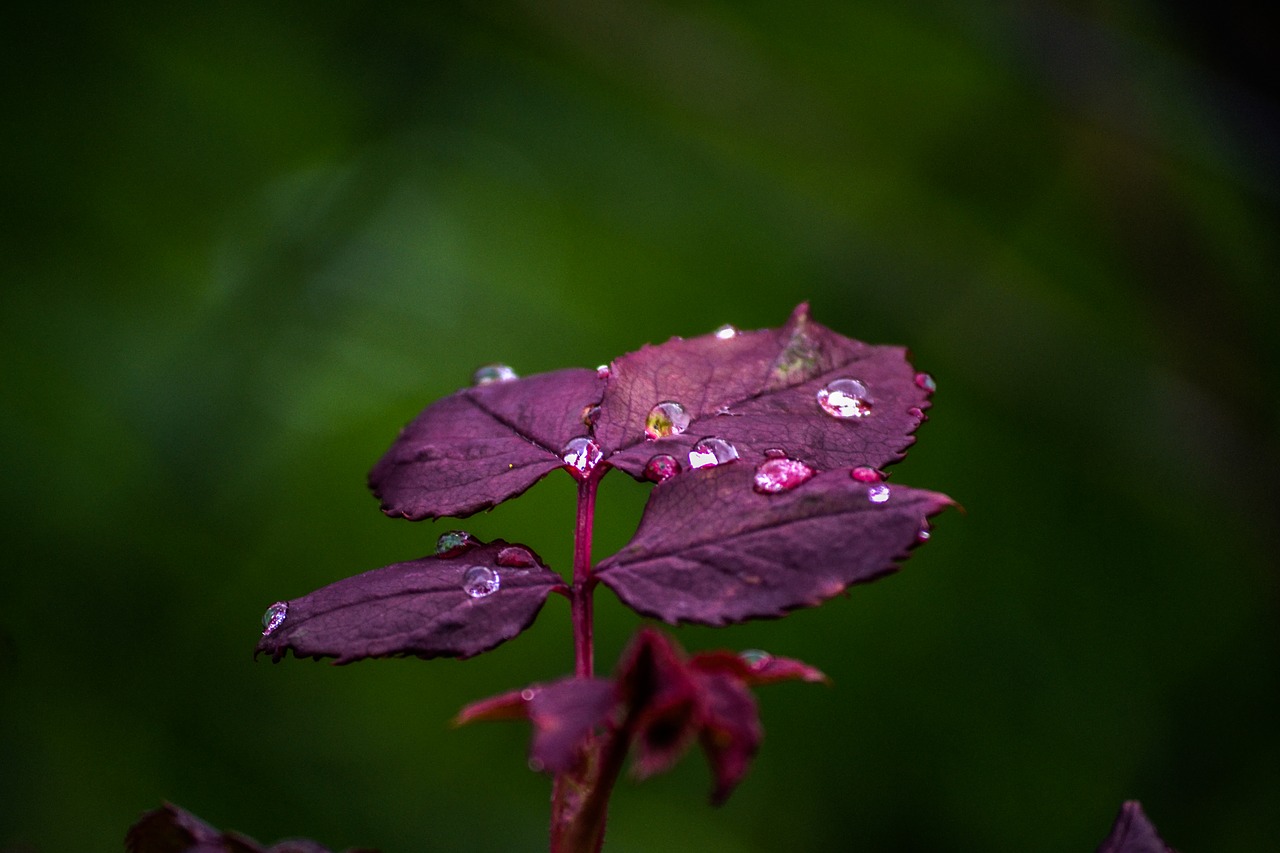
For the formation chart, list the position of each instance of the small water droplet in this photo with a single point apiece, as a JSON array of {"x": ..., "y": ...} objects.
[
  {"x": 879, "y": 493},
  {"x": 863, "y": 474},
  {"x": 711, "y": 451},
  {"x": 756, "y": 658},
  {"x": 775, "y": 453},
  {"x": 491, "y": 373},
  {"x": 454, "y": 540},
  {"x": 728, "y": 330},
  {"x": 528, "y": 693},
  {"x": 479, "y": 581},
  {"x": 666, "y": 418},
  {"x": 780, "y": 475},
  {"x": 274, "y": 616},
  {"x": 923, "y": 534},
  {"x": 581, "y": 454},
  {"x": 590, "y": 414},
  {"x": 662, "y": 468},
  {"x": 925, "y": 382},
  {"x": 515, "y": 557},
  {"x": 917, "y": 413},
  {"x": 603, "y": 371},
  {"x": 844, "y": 398}
]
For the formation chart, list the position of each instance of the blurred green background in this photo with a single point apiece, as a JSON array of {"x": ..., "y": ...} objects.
[{"x": 243, "y": 243}]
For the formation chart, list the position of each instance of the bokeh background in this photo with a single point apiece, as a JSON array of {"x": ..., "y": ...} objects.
[{"x": 243, "y": 243}]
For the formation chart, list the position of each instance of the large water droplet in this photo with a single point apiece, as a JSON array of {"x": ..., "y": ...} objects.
[
  {"x": 844, "y": 398},
  {"x": 274, "y": 617},
  {"x": 756, "y": 658},
  {"x": 581, "y": 454},
  {"x": 491, "y": 373},
  {"x": 711, "y": 451},
  {"x": 666, "y": 418},
  {"x": 662, "y": 468},
  {"x": 925, "y": 382},
  {"x": 726, "y": 332},
  {"x": 454, "y": 540},
  {"x": 780, "y": 475},
  {"x": 879, "y": 493},
  {"x": 515, "y": 557},
  {"x": 864, "y": 474},
  {"x": 479, "y": 581}
]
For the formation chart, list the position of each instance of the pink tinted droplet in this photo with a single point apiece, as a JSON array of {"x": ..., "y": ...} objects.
[
  {"x": 844, "y": 398},
  {"x": 515, "y": 557},
  {"x": 864, "y": 474},
  {"x": 925, "y": 382},
  {"x": 662, "y": 468},
  {"x": 780, "y": 475},
  {"x": 775, "y": 453}
]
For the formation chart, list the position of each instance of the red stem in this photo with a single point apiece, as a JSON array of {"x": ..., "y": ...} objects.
[{"x": 583, "y": 582}]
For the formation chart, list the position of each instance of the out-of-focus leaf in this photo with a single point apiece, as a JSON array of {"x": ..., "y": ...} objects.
[
  {"x": 711, "y": 550},
  {"x": 483, "y": 445},
  {"x": 1132, "y": 832},
  {"x": 758, "y": 668},
  {"x": 171, "y": 829},
  {"x": 421, "y": 607}
]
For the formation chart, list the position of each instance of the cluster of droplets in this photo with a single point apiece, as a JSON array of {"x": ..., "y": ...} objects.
[
  {"x": 480, "y": 581},
  {"x": 491, "y": 373},
  {"x": 844, "y": 398},
  {"x": 581, "y": 455},
  {"x": 274, "y": 617}
]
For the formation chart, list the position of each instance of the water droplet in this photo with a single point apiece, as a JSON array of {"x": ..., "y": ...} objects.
[
  {"x": 863, "y": 474},
  {"x": 454, "y": 540},
  {"x": 775, "y": 453},
  {"x": 491, "y": 373},
  {"x": 603, "y": 371},
  {"x": 528, "y": 693},
  {"x": 479, "y": 581},
  {"x": 590, "y": 414},
  {"x": 727, "y": 331},
  {"x": 711, "y": 451},
  {"x": 844, "y": 398},
  {"x": 756, "y": 658},
  {"x": 662, "y": 468},
  {"x": 666, "y": 418},
  {"x": 581, "y": 454},
  {"x": 925, "y": 382},
  {"x": 917, "y": 413},
  {"x": 274, "y": 616},
  {"x": 515, "y": 557},
  {"x": 879, "y": 493},
  {"x": 780, "y": 475},
  {"x": 922, "y": 535}
]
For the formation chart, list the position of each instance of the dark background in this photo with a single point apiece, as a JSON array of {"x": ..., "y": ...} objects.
[{"x": 243, "y": 243}]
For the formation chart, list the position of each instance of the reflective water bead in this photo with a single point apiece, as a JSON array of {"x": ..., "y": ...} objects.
[
  {"x": 453, "y": 540},
  {"x": 581, "y": 454},
  {"x": 666, "y": 418},
  {"x": 662, "y": 468},
  {"x": 603, "y": 371},
  {"x": 864, "y": 474},
  {"x": 917, "y": 413},
  {"x": 780, "y": 475},
  {"x": 515, "y": 557},
  {"x": 491, "y": 373},
  {"x": 923, "y": 533},
  {"x": 775, "y": 453},
  {"x": 275, "y": 615},
  {"x": 479, "y": 581},
  {"x": 844, "y": 398},
  {"x": 879, "y": 493},
  {"x": 727, "y": 331},
  {"x": 711, "y": 451},
  {"x": 925, "y": 382},
  {"x": 756, "y": 658}
]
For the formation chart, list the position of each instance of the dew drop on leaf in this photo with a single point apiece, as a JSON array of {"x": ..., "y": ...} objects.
[
  {"x": 922, "y": 535},
  {"x": 879, "y": 493},
  {"x": 603, "y": 371},
  {"x": 662, "y": 468},
  {"x": 864, "y": 474},
  {"x": 515, "y": 557},
  {"x": 780, "y": 475},
  {"x": 274, "y": 616},
  {"x": 711, "y": 451},
  {"x": 590, "y": 414},
  {"x": 726, "y": 332},
  {"x": 491, "y": 373},
  {"x": 755, "y": 658},
  {"x": 917, "y": 413},
  {"x": 666, "y": 418},
  {"x": 479, "y": 581},
  {"x": 528, "y": 693},
  {"x": 775, "y": 453},
  {"x": 844, "y": 398},
  {"x": 925, "y": 382},
  {"x": 454, "y": 540},
  {"x": 581, "y": 454}
]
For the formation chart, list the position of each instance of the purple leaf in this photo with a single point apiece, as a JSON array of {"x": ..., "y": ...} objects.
[
  {"x": 711, "y": 550},
  {"x": 759, "y": 391},
  {"x": 730, "y": 731},
  {"x": 170, "y": 829},
  {"x": 1133, "y": 833},
  {"x": 483, "y": 445},
  {"x": 457, "y": 604},
  {"x": 756, "y": 668}
]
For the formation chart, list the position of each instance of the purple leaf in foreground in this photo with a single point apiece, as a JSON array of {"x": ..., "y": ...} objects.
[
  {"x": 1132, "y": 832},
  {"x": 457, "y": 604},
  {"x": 711, "y": 550},
  {"x": 761, "y": 391},
  {"x": 476, "y": 448},
  {"x": 170, "y": 829}
]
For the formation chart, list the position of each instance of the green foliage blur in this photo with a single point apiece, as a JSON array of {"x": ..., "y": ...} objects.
[{"x": 244, "y": 243}]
